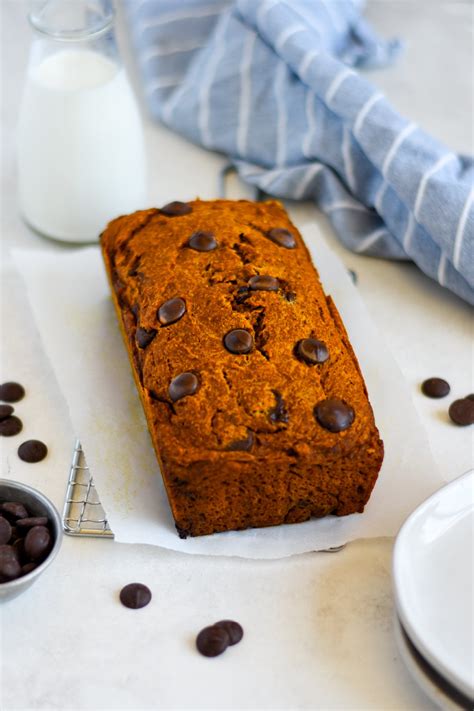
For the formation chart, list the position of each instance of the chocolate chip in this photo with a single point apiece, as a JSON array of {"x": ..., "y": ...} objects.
[
  {"x": 334, "y": 415},
  {"x": 238, "y": 341},
  {"x": 32, "y": 451},
  {"x": 171, "y": 311},
  {"x": 135, "y": 596},
  {"x": 37, "y": 542},
  {"x": 144, "y": 337},
  {"x": 10, "y": 568},
  {"x": 183, "y": 385},
  {"x": 10, "y": 426},
  {"x": 31, "y": 521},
  {"x": 11, "y": 392},
  {"x": 353, "y": 275},
  {"x": 202, "y": 241},
  {"x": 28, "y": 568},
  {"x": 5, "y": 531},
  {"x": 279, "y": 413},
  {"x": 435, "y": 387},
  {"x": 176, "y": 208},
  {"x": 233, "y": 629},
  {"x": 242, "y": 445},
  {"x": 282, "y": 237},
  {"x": 263, "y": 283},
  {"x": 461, "y": 412},
  {"x": 5, "y": 411},
  {"x": 212, "y": 641},
  {"x": 311, "y": 351},
  {"x": 14, "y": 510}
]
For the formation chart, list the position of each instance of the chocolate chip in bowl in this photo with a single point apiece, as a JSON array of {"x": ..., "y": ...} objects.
[{"x": 30, "y": 536}]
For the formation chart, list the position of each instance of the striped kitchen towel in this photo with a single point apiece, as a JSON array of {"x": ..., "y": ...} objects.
[{"x": 274, "y": 85}]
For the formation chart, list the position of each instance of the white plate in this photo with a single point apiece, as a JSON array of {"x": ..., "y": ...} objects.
[
  {"x": 434, "y": 686},
  {"x": 433, "y": 581}
]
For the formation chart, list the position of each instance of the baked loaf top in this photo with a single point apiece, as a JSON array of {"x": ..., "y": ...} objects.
[{"x": 237, "y": 350}]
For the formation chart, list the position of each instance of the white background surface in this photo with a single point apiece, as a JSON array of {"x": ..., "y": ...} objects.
[{"x": 318, "y": 626}]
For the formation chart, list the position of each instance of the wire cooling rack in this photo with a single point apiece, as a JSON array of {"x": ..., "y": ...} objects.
[{"x": 83, "y": 513}]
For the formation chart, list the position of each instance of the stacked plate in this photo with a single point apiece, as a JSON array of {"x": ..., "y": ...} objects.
[{"x": 433, "y": 573}]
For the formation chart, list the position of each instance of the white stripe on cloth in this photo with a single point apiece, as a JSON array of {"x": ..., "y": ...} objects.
[
  {"x": 281, "y": 74},
  {"x": 264, "y": 10},
  {"x": 163, "y": 83},
  {"x": 442, "y": 269},
  {"x": 286, "y": 34},
  {"x": 205, "y": 92},
  {"x": 245, "y": 93},
  {"x": 410, "y": 230},
  {"x": 460, "y": 229},
  {"x": 329, "y": 6},
  {"x": 347, "y": 158},
  {"x": 212, "y": 10},
  {"x": 311, "y": 119},
  {"x": 404, "y": 133},
  {"x": 370, "y": 239},
  {"x": 154, "y": 52},
  {"x": 364, "y": 111},
  {"x": 345, "y": 205},
  {"x": 307, "y": 59},
  {"x": 336, "y": 83},
  {"x": 424, "y": 180},
  {"x": 307, "y": 178},
  {"x": 397, "y": 142},
  {"x": 378, "y": 200}
]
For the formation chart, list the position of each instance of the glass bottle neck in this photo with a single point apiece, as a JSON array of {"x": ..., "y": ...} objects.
[{"x": 72, "y": 20}]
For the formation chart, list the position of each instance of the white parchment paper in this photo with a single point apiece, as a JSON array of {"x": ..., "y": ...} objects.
[{"x": 70, "y": 299}]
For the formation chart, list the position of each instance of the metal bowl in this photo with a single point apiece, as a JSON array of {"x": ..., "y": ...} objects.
[{"x": 38, "y": 505}]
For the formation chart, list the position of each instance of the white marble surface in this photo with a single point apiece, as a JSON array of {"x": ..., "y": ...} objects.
[{"x": 318, "y": 626}]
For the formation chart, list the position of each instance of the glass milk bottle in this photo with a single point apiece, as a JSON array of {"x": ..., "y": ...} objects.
[{"x": 81, "y": 154}]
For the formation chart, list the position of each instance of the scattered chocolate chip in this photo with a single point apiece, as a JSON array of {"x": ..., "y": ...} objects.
[
  {"x": 238, "y": 341},
  {"x": 135, "y": 596},
  {"x": 279, "y": 413},
  {"x": 171, "y": 311},
  {"x": 202, "y": 241},
  {"x": 144, "y": 337},
  {"x": 11, "y": 392},
  {"x": 14, "y": 510},
  {"x": 282, "y": 237},
  {"x": 311, "y": 351},
  {"x": 10, "y": 426},
  {"x": 435, "y": 387},
  {"x": 31, "y": 521},
  {"x": 461, "y": 412},
  {"x": 5, "y": 531},
  {"x": 183, "y": 385},
  {"x": 263, "y": 283},
  {"x": 242, "y": 445},
  {"x": 233, "y": 629},
  {"x": 5, "y": 411},
  {"x": 10, "y": 568},
  {"x": 176, "y": 208},
  {"x": 28, "y": 568},
  {"x": 37, "y": 542},
  {"x": 212, "y": 641},
  {"x": 32, "y": 451},
  {"x": 334, "y": 415}
]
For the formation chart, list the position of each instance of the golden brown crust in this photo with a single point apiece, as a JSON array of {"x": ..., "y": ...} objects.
[{"x": 262, "y": 401}]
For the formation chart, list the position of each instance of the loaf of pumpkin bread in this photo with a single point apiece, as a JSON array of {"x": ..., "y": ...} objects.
[{"x": 255, "y": 402}]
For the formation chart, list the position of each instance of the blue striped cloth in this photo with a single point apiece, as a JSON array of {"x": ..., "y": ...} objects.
[{"x": 274, "y": 85}]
